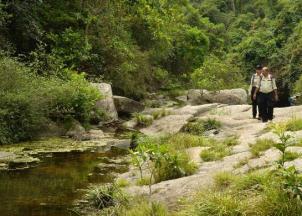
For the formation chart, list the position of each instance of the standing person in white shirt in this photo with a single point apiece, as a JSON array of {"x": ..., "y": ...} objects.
[
  {"x": 253, "y": 86},
  {"x": 267, "y": 95}
]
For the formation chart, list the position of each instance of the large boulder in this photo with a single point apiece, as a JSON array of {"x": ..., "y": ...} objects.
[
  {"x": 77, "y": 132},
  {"x": 127, "y": 106},
  {"x": 106, "y": 103},
  {"x": 228, "y": 96}
]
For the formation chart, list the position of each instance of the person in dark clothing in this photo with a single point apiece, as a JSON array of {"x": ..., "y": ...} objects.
[
  {"x": 267, "y": 96},
  {"x": 253, "y": 86}
]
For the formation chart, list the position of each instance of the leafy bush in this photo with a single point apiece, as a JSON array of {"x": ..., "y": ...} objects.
[
  {"x": 174, "y": 166},
  {"x": 28, "y": 101},
  {"x": 216, "y": 74},
  {"x": 161, "y": 161}
]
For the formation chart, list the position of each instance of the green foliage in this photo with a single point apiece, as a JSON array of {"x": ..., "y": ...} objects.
[
  {"x": 71, "y": 47},
  {"x": 218, "y": 149},
  {"x": 223, "y": 180},
  {"x": 160, "y": 160},
  {"x": 252, "y": 194},
  {"x": 292, "y": 182},
  {"x": 183, "y": 141},
  {"x": 285, "y": 140},
  {"x": 160, "y": 113},
  {"x": 216, "y": 74},
  {"x": 294, "y": 124},
  {"x": 216, "y": 152},
  {"x": 260, "y": 146},
  {"x": 141, "y": 207},
  {"x": 198, "y": 127},
  {"x": 174, "y": 166},
  {"x": 121, "y": 182},
  {"x": 143, "y": 120},
  {"x": 290, "y": 156},
  {"x": 105, "y": 196},
  {"x": 29, "y": 101}
]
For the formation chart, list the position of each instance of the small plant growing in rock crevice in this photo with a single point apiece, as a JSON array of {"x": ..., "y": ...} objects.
[
  {"x": 159, "y": 162},
  {"x": 291, "y": 180},
  {"x": 219, "y": 149},
  {"x": 143, "y": 120},
  {"x": 260, "y": 146},
  {"x": 198, "y": 127},
  {"x": 160, "y": 113}
]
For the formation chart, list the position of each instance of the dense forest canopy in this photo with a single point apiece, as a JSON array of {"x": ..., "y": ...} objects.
[{"x": 143, "y": 45}]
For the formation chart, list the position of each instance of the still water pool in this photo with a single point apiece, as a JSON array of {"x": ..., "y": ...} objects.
[{"x": 51, "y": 188}]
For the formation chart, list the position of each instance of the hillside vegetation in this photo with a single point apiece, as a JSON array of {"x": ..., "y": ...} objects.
[{"x": 50, "y": 48}]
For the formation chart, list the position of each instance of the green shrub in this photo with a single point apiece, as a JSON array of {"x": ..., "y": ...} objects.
[
  {"x": 261, "y": 145},
  {"x": 162, "y": 161},
  {"x": 217, "y": 74},
  {"x": 28, "y": 101},
  {"x": 105, "y": 196},
  {"x": 174, "y": 166}
]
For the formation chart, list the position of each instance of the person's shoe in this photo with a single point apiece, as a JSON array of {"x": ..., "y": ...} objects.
[
  {"x": 264, "y": 121},
  {"x": 259, "y": 118}
]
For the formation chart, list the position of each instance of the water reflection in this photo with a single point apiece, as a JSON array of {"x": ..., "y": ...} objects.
[{"x": 51, "y": 188}]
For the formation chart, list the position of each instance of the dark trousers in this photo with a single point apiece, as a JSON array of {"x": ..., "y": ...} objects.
[
  {"x": 255, "y": 103},
  {"x": 266, "y": 105}
]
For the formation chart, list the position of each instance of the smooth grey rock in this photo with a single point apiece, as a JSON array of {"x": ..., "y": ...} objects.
[
  {"x": 96, "y": 134},
  {"x": 106, "y": 103},
  {"x": 121, "y": 144},
  {"x": 228, "y": 96},
  {"x": 7, "y": 156},
  {"x": 127, "y": 105},
  {"x": 77, "y": 132}
]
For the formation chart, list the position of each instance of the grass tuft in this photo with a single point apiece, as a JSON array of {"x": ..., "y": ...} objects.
[
  {"x": 290, "y": 156},
  {"x": 294, "y": 124},
  {"x": 198, "y": 127},
  {"x": 143, "y": 120},
  {"x": 223, "y": 180},
  {"x": 121, "y": 182},
  {"x": 218, "y": 149},
  {"x": 260, "y": 146},
  {"x": 105, "y": 196}
]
